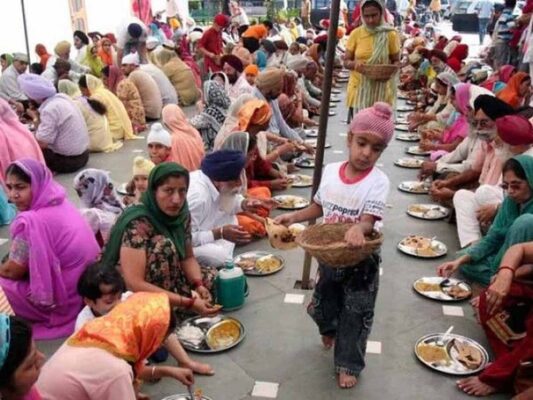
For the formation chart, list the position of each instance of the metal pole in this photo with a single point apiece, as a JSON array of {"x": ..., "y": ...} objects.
[
  {"x": 25, "y": 30},
  {"x": 323, "y": 120}
]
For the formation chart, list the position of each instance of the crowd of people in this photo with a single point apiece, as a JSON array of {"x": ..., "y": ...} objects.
[{"x": 116, "y": 275}]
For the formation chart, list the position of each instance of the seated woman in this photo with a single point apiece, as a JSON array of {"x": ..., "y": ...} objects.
[
  {"x": 117, "y": 116},
  {"x": 187, "y": 145},
  {"x": 504, "y": 311},
  {"x": 94, "y": 113},
  {"x": 513, "y": 224},
  {"x": 106, "y": 358},
  {"x": 151, "y": 243},
  {"x": 210, "y": 120},
  {"x": 98, "y": 197},
  {"x": 51, "y": 247},
  {"x": 21, "y": 361},
  {"x": 498, "y": 80},
  {"x": 16, "y": 141},
  {"x": 128, "y": 94},
  {"x": 139, "y": 183},
  {"x": 435, "y": 117},
  {"x": 291, "y": 102},
  {"x": 517, "y": 90},
  {"x": 457, "y": 130},
  {"x": 93, "y": 60}
]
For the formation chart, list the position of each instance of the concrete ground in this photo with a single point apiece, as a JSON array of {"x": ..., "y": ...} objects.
[{"x": 282, "y": 356}]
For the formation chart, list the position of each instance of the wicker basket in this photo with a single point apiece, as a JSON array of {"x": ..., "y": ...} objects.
[
  {"x": 326, "y": 243},
  {"x": 379, "y": 72}
]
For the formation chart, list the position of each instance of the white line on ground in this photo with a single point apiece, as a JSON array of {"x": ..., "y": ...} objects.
[
  {"x": 343, "y": 134},
  {"x": 265, "y": 389},
  {"x": 454, "y": 311},
  {"x": 3, "y": 241},
  {"x": 338, "y": 152},
  {"x": 380, "y": 271},
  {"x": 137, "y": 151},
  {"x": 373, "y": 347},
  {"x": 294, "y": 298}
]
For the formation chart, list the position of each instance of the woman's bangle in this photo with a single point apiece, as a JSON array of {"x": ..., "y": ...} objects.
[
  {"x": 152, "y": 377},
  {"x": 506, "y": 267},
  {"x": 221, "y": 232}
]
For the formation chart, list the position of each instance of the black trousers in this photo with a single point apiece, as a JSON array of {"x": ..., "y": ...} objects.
[{"x": 64, "y": 164}]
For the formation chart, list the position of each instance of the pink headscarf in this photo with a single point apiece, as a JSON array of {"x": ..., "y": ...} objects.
[
  {"x": 16, "y": 141},
  {"x": 47, "y": 287},
  {"x": 459, "y": 129},
  {"x": 187, "y": 144}
]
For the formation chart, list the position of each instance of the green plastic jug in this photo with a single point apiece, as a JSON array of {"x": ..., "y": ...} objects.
[{"x": 231, "y": 287}]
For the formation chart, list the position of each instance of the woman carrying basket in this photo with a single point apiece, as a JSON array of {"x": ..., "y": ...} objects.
[
  {"x": 354, "y": 192},
  {"x": 373, "y": 43}
]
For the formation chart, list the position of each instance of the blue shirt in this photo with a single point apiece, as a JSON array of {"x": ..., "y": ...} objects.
[{"x": 485, "y": 9}]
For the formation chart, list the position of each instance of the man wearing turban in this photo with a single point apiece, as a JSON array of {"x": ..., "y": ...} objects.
[
  {"x": 233, "y": 68},
  {"x": 62, "y": 133},
  {"x": 211, "y": 44},
  {"x": 62, "y": 52},
  {"x": 214, "y": 200}
]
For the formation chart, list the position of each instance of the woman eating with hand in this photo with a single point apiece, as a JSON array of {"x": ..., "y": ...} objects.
[{"x": 151, "y": 243}]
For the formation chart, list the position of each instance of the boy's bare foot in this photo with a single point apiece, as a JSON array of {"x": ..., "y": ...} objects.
[
  {"x": 474, "y": 387},
  {"x": 346, "y": 381},
  {"x": 199, "y": 368},
  {"x": 328, "y": 342}
]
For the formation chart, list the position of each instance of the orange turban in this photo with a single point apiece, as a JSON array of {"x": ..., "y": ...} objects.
[
  {"x": 254, "y": 112},
  {"x": 251, "y": 69}
]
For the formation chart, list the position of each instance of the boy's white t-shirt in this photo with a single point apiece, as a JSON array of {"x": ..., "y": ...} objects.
[
  {"x": 345, "y": 201},
  {"x": 86, "y": 313}
]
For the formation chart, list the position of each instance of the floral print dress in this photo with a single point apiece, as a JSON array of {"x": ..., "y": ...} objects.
[{"x": 163, "y": 265}]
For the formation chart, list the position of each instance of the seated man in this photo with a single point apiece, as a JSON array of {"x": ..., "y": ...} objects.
[
  {"x": 62, "y": 52},
  {"x": 149, "y": 91},
  {"x": 214, "y": 202},
  {"x": 9, "y": 87},
  {"x": 487, "y": 162},
  {"x": 233, "y": 68},
  {"x": 462, "y": 158},
  {"x": 475, "y": 211},
  {"x": 61, "y": 129},
  {"x": 505, "y": 313}
]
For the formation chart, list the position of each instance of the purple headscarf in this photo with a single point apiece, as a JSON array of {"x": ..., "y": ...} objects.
[
  {"x": 36, "y": 87},
  {"x": 46, "y": 282}
]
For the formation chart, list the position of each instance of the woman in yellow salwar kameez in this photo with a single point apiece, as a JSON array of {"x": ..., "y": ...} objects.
[{"x": 374, "y": 42}]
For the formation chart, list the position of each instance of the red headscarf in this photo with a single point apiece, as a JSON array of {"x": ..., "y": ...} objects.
[{"x": 460, "y": 52}]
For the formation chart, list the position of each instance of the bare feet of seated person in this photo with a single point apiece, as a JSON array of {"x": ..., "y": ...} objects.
[{"x": 474, "y": 387}]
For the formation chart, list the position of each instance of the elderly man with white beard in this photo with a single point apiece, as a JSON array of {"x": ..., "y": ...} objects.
[{"x": 214, "y": 201}]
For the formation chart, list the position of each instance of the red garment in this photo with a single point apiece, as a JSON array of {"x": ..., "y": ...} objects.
[
  {"x": 501, "y": 372},
  {"x": 257, "y": 170},
  {"x": 460, "y": 52},
  {"x": 211, "y": 41},
  {"x": 43, "y": 54}
]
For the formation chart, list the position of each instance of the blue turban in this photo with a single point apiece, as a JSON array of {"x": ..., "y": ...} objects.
[{"x": 223, "y": 165}]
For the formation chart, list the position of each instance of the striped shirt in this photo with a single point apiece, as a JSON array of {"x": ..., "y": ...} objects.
[{"x": 505, "y": 25}]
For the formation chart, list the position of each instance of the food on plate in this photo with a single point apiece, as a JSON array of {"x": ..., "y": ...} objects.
[
  {"x": 267, "y": 264},
  {"x": 418, "y": 208},
  {"x": 280, "y": 236},
  {"x": 415, "y": 187},
  {"x": 191, "y": 334},
  {"x": 300, "y": 180},
  {"x": 468, "y": 355},
  {"x": 246, "y": 263},
  {"x": 410, "y": 162},
  {"x": 427, "y": 287},
  {"x": 431, "y": 353},
  {"x": 290, "y": 201},
  {"x": 198, "y": 394},
  {"x": 457, "y": 292},
  {"x": 223, "y": 334},
  {"x": 421, "y": 245},
  {"x": 296, "y": 229}
]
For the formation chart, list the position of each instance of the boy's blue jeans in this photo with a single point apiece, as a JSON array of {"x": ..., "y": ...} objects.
[
  {"x": 343, "y": 308},
  {"x": 483, "y": 23}
]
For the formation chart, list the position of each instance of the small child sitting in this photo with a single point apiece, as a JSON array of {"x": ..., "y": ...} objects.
[
  {"x": 355, "y": 192},
  {"x": 138, "y": 185},
  {"x": 102, "y": 288}
]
